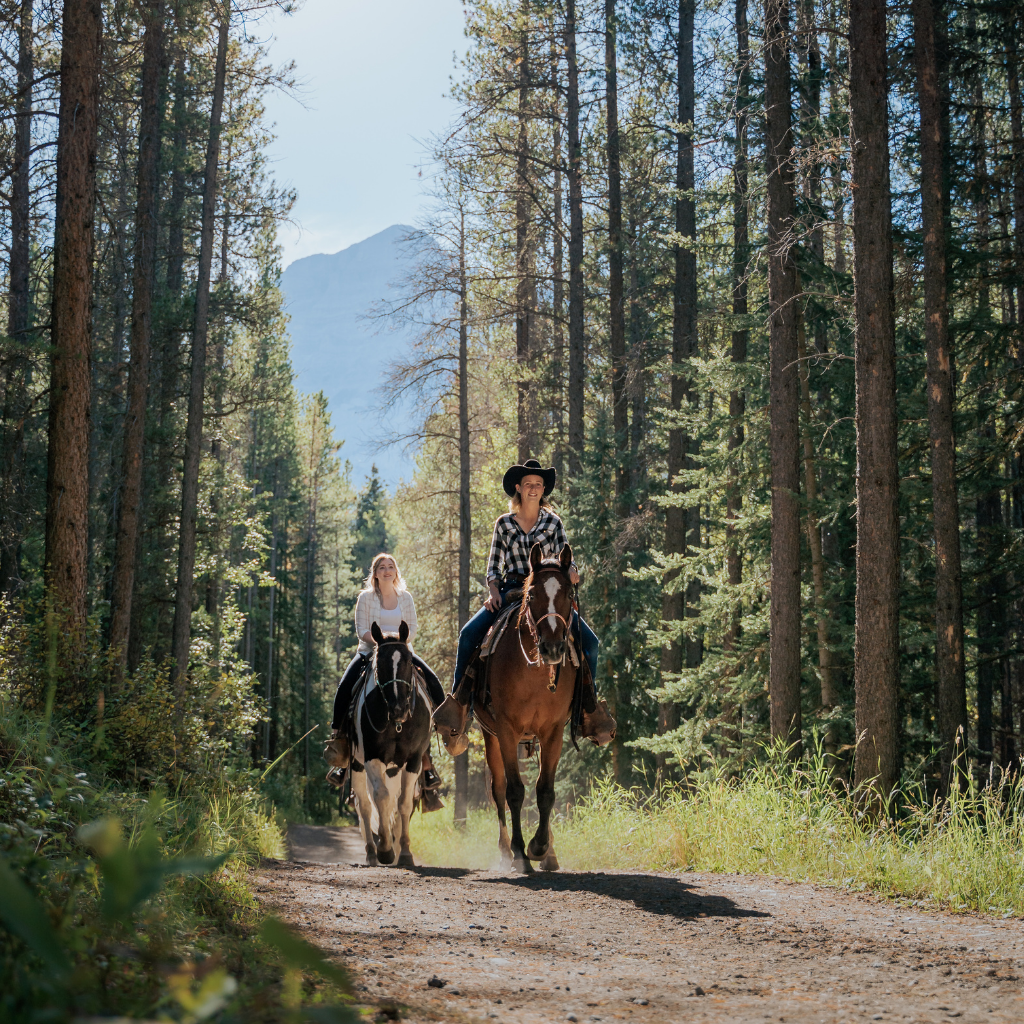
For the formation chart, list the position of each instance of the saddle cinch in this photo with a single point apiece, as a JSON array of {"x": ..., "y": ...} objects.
[{"x": 454, "y": 718}]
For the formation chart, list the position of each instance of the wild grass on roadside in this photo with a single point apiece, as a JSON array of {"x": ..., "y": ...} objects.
[{"x": 779, "y": 819}]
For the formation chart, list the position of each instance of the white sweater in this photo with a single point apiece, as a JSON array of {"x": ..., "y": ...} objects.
[{"x": 369, "y": 610}]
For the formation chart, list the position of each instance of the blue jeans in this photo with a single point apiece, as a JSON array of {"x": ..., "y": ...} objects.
[{"x": 474, "y": 631}]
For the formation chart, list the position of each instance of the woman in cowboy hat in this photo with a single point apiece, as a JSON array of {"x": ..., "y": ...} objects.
[{"x": 528, "y": 521}]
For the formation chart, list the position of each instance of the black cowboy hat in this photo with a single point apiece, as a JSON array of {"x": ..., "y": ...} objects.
[{"x": 531, "y": 467}]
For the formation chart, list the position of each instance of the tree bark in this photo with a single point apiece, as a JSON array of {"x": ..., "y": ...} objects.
[
  {"x": 949, "y": 613},
  {"x": 784, "y": 673},
  {"x": 876, "y": 634},
  {"x": 465, "y": 496},
  {"x": 524, "y": 277},
  {"x": 616, "y": 309},
  {"x": 143, "y": 271},
  {"x": 577, "y": 341},
  {"x": 18, "y": 315},
  {"x": 557, "y": 275},
  {"x": 67, "y": 476},
  {"x": 1017, "y": 141},
  {"x": 740, "y": 263},
  {"x": 181, "y": 630},
  {"x": 828, "y": 697}
]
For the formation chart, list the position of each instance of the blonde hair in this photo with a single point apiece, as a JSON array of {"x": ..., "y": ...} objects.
[
  {"x": 370, "y": 583},
  {"x": 516, "y": 501}
]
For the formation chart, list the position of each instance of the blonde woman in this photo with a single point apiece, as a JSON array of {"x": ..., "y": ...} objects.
[{"x": 385, "y": 600}]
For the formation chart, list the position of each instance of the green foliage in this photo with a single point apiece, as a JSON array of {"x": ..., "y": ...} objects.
[
  {"x": 795, "y": 821},
  {"x": 111, "y": 903}
]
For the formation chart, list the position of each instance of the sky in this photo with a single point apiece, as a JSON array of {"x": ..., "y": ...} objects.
[{"x": 374, "y": 74}]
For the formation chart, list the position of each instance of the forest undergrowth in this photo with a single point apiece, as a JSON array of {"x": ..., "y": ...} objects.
[
  {"x": 134, "y": 898},
  {"x": 781, "y": 820}
]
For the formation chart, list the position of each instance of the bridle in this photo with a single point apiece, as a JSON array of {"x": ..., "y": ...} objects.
[
  {"x": 531, "y": 625},
  {"x": 394, "y": 680}
]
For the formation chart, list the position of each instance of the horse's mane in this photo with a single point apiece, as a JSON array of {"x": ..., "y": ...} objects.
[{"x": 548, "y": 563}]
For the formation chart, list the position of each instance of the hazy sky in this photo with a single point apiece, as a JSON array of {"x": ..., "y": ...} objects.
[{"x": 376, "y": 73}]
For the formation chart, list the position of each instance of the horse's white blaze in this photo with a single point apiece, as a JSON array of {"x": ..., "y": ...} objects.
[
  {"x": 397, "y": 657},
  {"x": 551, "y": 587}
]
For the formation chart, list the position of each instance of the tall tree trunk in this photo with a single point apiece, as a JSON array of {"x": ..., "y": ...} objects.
[
  {"x": 67, "y": 470},
  {"x": 876, "y": 634},
  {"x": 557, "y": 275},
  {"x": 784, "y": 677},
  {"x": 151, "y": 589},
  {"x": 524, "y": 277},
  {"x": 181, "y": 630},
  {"x": 465, "y": 498},
  {"x": 949, "y": 612},
  {"x": 311, "y": 540},
  {"x": 269, "y": 691},
  {"x": 1017, "y": 137},
  {"x": 18, "y": 315},
  {"x": 143, "y": 271},
  {"x": 616, "y": 309},
  {"x": 828, "y": 697},
  {"x": 617, "y": 345},
  {"x": 577, "y": 340},
  {"x": 684, "y": 335},
  {"x": 740, "y": 265}
]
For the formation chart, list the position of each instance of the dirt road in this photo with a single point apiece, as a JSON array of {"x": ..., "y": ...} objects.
[{"x": 605, "y": 946}]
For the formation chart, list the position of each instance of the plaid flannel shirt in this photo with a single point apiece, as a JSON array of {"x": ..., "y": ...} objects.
[{"x": 510, "y": 546}]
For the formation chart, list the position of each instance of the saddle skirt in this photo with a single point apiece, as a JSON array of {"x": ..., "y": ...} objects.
[{"x": 498, "y": 627}]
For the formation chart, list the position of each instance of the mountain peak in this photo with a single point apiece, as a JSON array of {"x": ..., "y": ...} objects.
[{"x": 337, "y": 349}]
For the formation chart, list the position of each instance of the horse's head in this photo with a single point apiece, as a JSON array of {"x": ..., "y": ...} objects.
[
  {"x": 547, "y": 603},
  {"x": 393, "y": 668}
]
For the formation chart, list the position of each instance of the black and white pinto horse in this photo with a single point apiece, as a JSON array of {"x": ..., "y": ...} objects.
[{"x": 392, "y": 733}]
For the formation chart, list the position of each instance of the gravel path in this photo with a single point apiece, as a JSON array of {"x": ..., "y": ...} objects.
[{"x": 605, "y": 946}]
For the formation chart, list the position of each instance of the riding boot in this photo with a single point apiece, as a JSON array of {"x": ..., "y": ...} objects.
[
  {"x": 598, "y": 725},
  {"x": 450, "y": 721},
  {"x": 429, "y": 779},
  {"x": 338, "y": 751}
]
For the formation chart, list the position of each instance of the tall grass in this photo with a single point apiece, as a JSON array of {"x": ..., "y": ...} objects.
[{"x": 790, "y": 821}]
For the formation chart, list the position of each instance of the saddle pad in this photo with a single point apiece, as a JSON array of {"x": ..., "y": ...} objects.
[{"x": 497, "y": 630}]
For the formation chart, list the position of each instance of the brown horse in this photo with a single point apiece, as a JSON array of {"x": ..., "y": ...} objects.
[{"x": 532, "y": 675}]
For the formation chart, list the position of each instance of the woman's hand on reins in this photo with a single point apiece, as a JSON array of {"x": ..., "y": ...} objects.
[
  {"x": 493, "y": 602},
  {"x": 574, "y": 577}
]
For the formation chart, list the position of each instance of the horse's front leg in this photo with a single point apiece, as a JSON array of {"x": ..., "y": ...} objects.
[
  {"x": 497, "y": 767},
  {"x": 384, "y": 798},
  {"x": 540, "y": 845},
  {"x": 515, "y": 794},
  {"x": 405, "y": 804},
  {"x": 364, "y": 810}
]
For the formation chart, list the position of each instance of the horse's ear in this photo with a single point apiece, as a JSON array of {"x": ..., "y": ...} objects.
[
  {"x": 565, "y": 558},
  {"x": 378, "y": 636},
  {"x": 536, "y": 557},
  {"x": 403, "y": 631}
]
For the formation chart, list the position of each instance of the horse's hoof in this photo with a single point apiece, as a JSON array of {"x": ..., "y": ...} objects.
[
  {"x": 386, "y": 856},
  {"x": 371, "y": 860},
  {"x": 405, "y": 860},
  {"x": 535, "y": 851},
  {"x": 549, "y": 863},
  {"x": 522, "y": 866}
]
